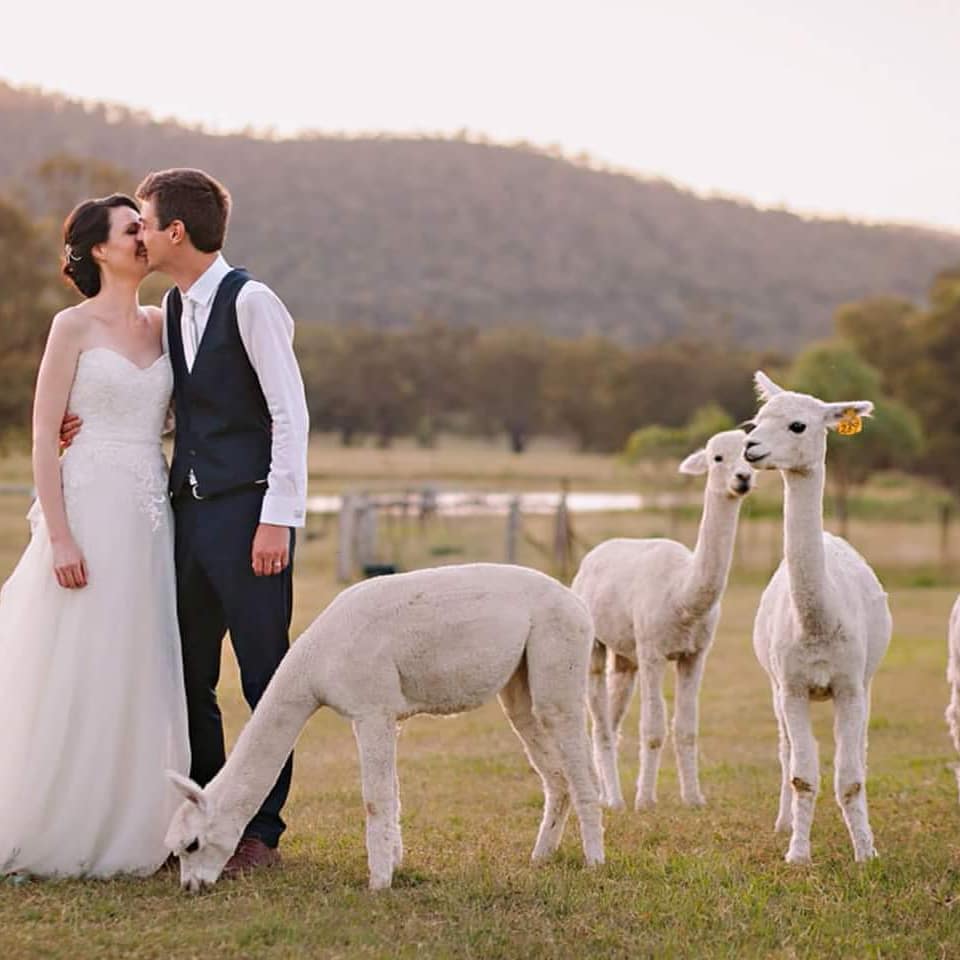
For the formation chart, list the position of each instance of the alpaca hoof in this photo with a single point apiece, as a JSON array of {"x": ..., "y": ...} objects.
[
  {"x": 870, "y": 854},
  {"x": 595, "y": 859},
  {"x": 798, "y": 858},
  {"x": 696, "y": 801},
  {"x": 645, "y": 803},
  {"x": 615, "y": 804}
]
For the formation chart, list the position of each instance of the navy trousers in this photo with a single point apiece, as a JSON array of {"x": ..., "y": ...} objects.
[{"x": 218, "y": 591}]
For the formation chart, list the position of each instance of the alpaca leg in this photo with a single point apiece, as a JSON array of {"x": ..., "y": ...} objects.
[
  {"x": 518, "y": 706},
  {"x": 377, "y": 745},
  {"x": 397, "y": 835},
  {"x": 653, "y": 731},
  {"x": 804, "y": 773},
  {"x": 604, "y": 734},
  {"x": 562, "y": 719},
  {"x": 850, "y": 730},
  {"x": 621, "y": 682},
  {"x": 952, "y": 716},
  {"x": 953, "y": 722},
  {"x": 686, "y": 725},
  {"x": 784, "y": 822}
]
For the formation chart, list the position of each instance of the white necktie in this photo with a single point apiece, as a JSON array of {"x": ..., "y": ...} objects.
[{"x": 189, "y": 329}]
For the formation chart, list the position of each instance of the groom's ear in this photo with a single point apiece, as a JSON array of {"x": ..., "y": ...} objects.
[{"x": 192, "y": 791}]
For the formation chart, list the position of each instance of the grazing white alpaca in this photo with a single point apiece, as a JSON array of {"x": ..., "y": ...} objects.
[
  {"x": 823, "y": 624},
  {"x": 437, "y": 641},
  {"x": 953, "y": 678},
  {"x": 652, "y": 601}
]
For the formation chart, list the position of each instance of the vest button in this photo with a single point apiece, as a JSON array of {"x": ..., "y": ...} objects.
[{"x": 193, "y": 453}]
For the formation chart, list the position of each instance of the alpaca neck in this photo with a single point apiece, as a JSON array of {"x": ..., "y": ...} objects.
[
  {"x": 803, "y": 546},
  {"x": 713, "y": 553},
  {"x": 263, "y": 747}
]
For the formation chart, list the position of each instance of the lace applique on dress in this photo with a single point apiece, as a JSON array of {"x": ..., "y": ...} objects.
[{"x": 124, "y": 408}]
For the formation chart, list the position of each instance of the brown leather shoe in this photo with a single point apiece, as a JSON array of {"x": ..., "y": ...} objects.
[{"x": 251, "y": 854}]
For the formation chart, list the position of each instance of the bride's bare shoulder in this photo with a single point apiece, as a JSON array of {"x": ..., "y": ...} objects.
[
  {"x": 154, "y": 317},
  {"x": 71, "y": 321}
]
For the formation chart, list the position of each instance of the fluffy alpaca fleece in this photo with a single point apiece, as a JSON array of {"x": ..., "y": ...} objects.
[
  {"x": 823, "y": 624},
  {"x": 437, "y": 641},
  {"x": 654, "y": 601},
  {"x": 953, "y": 678}
]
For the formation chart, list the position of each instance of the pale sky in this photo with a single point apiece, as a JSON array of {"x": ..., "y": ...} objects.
[{"x": 830, "y": 107}]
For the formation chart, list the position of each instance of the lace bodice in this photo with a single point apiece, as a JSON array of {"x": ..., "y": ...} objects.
[
  {"x": 123, "y": 408},
  {"x": 118, "y": 400}
]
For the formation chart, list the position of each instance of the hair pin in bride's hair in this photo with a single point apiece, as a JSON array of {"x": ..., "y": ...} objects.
[{"x": 68, "y": 250}]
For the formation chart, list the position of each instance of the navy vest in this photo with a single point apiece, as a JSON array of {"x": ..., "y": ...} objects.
[{"x": 224, "y": 429}]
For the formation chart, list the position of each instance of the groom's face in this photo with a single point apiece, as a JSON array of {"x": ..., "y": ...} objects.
[{"x": 158, "y": 243}]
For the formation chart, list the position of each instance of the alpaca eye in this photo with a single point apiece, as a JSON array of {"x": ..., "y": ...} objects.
[
  {"x": 718, "y": 459},
  {"x": 797, "y": 427},
  {"x": 192, "y": 847}
]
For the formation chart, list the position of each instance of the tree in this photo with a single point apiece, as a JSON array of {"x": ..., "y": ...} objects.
[
  {"x": 928, "y": 380},
  {"x": 917, "y": 352},
  {"x": 882, "y": 330},
  {"x": 893, "y": 438},
  {"x": 658, "y": 443},
  {"x": 580, "y": 391},
  {"x": 505, "y": 373},
  {"x": 31, "y": 296}
]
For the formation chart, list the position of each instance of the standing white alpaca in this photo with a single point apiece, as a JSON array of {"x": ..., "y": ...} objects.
[
  {"x": 437, "y": 641},
  {"x": 652, "y": 601},
  {"x": 823, "y": 624},
  {"x": 953, "y": 678}
]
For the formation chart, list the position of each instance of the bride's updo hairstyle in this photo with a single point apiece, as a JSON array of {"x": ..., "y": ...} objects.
[{"x": 88, "y": 225}]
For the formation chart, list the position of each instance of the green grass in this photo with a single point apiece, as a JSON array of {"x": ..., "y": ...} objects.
[{"x": 709, "y": 883}]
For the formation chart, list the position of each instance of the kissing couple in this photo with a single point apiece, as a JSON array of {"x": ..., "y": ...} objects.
[{"x": 112, "y": 623}]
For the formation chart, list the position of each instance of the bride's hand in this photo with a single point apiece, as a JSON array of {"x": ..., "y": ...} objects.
[{"x": 69, "y": 565}]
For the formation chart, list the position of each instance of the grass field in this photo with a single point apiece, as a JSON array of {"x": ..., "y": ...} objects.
[{"x": 708, "y": 883}]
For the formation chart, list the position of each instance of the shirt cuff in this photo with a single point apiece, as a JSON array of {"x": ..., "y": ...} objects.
[{"x": 283, "y": 511}]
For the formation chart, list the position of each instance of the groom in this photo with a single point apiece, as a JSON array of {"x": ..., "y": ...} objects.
[{"x": 239, "y": 472}]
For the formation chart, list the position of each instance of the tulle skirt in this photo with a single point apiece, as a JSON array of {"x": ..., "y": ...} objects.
[{"x": 92, "y": 707}]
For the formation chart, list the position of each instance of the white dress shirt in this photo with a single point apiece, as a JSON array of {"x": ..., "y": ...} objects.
[{"x": 266, "y": 330}]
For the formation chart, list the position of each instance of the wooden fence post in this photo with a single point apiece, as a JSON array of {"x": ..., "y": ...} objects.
[
  {"x": 346, "y": 530},
  {"x": 366, "y": 532},
  {"x": 562, "y": 539},
  {"x": 513, "y": 528}
]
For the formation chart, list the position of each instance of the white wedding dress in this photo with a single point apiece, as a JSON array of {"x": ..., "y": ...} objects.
[{"x": 92, "y": 704}]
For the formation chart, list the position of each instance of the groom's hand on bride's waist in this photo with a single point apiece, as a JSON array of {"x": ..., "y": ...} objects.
[
  {"x": 69, "y": 428},
  {"x": 271, "y": 549}
]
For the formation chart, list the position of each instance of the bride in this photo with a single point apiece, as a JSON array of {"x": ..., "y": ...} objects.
[{"x": 92, "y": 705}]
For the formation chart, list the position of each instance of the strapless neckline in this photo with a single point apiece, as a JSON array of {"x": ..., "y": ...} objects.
[{"x": 124, "y": 358}]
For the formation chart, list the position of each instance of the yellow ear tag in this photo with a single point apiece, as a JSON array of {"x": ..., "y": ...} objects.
[{"x": 850, "y": 424}]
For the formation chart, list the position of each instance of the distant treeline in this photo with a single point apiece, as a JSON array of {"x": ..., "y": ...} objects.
[
  {"x": 436, "y": 374},
  {"x": 433, "y": 377}
]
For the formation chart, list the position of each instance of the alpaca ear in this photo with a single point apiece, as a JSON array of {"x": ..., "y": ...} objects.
[
  {"x": 190, "y": 790},
  {"x": 764, "y": 386},
  {"x": 695, "y": 465},
  {"x": 847, "y": 413}
]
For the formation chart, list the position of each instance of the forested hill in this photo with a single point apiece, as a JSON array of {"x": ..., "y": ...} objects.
[{"x": 380, "y": 229}]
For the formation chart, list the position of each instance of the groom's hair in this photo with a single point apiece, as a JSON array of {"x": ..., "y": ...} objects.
[{"x": 201, "y": 203}]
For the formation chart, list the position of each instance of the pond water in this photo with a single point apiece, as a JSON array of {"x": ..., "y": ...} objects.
[{"x": 478, "y": 503}]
